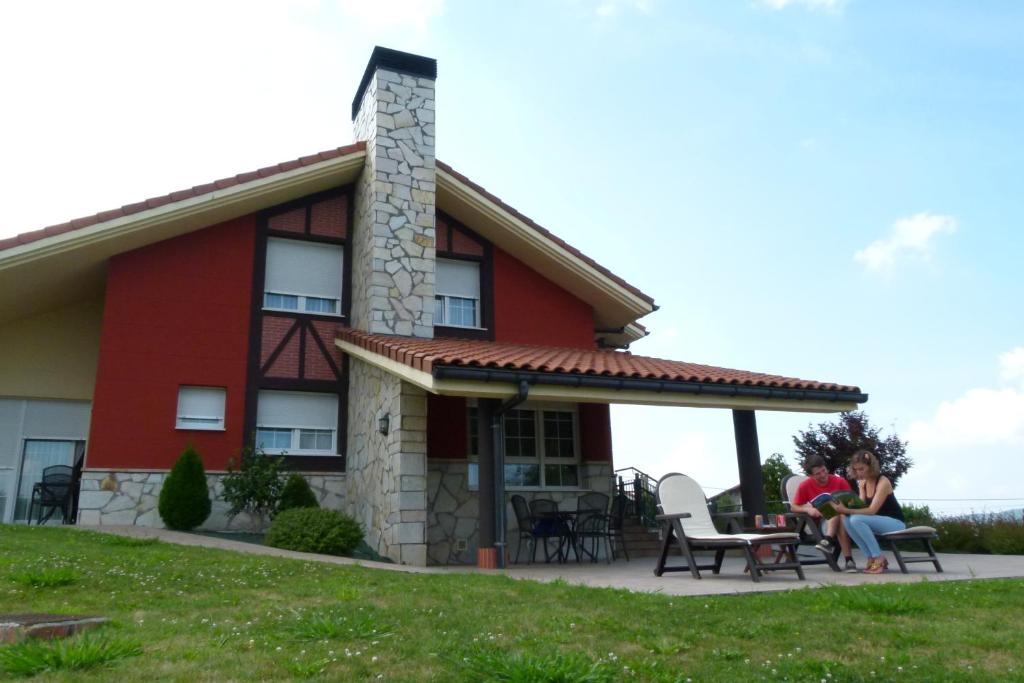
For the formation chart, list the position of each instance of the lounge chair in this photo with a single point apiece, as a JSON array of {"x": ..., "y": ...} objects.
[
  {"x": 684, "y": 511},
  {"x": 807, "y": 527},
  {"x": 924, "y": 534}
]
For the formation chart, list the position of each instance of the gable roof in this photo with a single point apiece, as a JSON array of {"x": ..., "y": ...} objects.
[{"x": 36, "y": 266}]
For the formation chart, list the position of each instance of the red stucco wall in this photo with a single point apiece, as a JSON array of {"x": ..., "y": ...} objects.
[
  {"x": 176, "y": 312},
  {"x": 530, "y": 309},
  {"x": 447, "y": 426},
  {"x": 595, "y": 432}
]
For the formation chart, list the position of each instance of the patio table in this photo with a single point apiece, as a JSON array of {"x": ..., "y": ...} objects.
[{"x": 568, "y": 518}]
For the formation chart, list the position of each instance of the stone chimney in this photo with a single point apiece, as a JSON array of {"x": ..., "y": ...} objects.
[{"x": 393, "y": 245}]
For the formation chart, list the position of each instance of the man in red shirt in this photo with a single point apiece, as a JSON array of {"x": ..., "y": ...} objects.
[{"x": 819, "y": 481}]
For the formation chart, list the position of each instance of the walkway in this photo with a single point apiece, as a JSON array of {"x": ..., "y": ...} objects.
[{"x": 636, "y": 575}]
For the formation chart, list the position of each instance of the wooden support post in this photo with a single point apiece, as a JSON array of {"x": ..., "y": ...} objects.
[
  {"x": 486, "y": 557},
  {"x": 748, "y": 457}
]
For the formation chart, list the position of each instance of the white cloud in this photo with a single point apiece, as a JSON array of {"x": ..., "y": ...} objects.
[
  {"x": 1011, "y": 365},
  {"x": 911, "y": 236},
  {"x": 610, "y": 8},
  {"x": 970, "y": 447},
  {"x": 393, "y": 13},
  {"x": 833, "y": 6}
]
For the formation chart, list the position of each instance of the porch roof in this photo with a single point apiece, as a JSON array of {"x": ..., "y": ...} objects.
[{"x": 494, "y": 369}]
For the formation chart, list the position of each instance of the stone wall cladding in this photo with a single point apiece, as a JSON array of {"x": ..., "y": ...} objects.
[
  {"x": 113, "y": 498},
  {"x": 386, "y": 474},
  {"x": 393, "y": 248},
  {"x": 452, "y": 520}
]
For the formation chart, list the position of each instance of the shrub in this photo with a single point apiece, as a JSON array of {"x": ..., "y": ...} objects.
[
  {"x": 297, "y": 494},
  {"x": 255, "y": 487},
  {"x": 314, "y": 530},
  {"x": 1003, "y": 536},
  {"x": 184, "y": 498},
  {"x": 959, "y": 535},
  {"x": 918, "y": 515}
]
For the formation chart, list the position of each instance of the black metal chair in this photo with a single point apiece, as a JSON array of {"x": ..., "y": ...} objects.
[
  {"x": 591, "y": 524},
  {"x": 548, "y": 524},
  {"x": 615, "y": 521},
  {"x": 54, "y": 492}
]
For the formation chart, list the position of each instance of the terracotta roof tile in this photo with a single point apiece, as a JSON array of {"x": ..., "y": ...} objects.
[
  {"x": 177, "y": 196},
  {"x": 426, "y": 354}
]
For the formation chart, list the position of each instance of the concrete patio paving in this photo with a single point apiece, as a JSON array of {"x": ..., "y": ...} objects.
[{"x": 636, "y": 575}]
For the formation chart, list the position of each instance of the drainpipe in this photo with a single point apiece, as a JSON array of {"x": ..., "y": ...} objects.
[{"x": 498, "y": 441}]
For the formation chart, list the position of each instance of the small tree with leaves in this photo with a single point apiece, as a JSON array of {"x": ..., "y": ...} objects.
[
  {"x": 836, "y": 442},
  {"x": 254, "y": 485},
  {"x": 773, "y": 470}
]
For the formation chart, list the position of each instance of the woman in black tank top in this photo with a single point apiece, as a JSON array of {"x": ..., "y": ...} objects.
[{"x": 882, "y": 515}]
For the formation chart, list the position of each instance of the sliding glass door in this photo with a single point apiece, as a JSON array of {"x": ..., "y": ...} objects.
[{"x": 38, "y": 455}]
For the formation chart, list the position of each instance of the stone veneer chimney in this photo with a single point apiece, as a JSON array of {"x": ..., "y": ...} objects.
[{"x": 393, "y": 245}]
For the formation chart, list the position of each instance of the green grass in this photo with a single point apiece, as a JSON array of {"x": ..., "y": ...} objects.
[
  {"x": 87, "y": 651},
  {"x": 45, "y": 578},
  {"x": 201, "y": 614}
]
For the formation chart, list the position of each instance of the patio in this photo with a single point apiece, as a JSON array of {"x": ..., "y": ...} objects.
[{"x": 636, "y": 575}]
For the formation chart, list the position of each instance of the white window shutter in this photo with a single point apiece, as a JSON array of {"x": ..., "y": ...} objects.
[
  {"x": 307, "y": 268},
  {"x": 297, "y": 409},
  {"x": 458, "y": 278}
]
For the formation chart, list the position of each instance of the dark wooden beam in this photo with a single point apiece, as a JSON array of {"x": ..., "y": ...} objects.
[
  {"x": 748, "y": 457},
  {"x": 485, "y": 450}
]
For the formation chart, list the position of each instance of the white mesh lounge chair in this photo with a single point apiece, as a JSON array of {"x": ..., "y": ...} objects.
[{"x": 685, "y": 513}]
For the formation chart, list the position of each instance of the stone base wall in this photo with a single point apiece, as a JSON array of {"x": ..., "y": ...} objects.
[
  {"x": 387, "y": 472},
  {"x": 453, "y": 512},
  {"x": 113, "y": 498}
]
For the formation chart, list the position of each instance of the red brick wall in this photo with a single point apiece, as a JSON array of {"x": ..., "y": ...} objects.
[
  {"x": 176, "y": 313},
  {"x": 530, "y": 309}
]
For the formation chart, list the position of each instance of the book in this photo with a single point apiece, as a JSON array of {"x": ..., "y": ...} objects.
[{"x": 847, "y": 498}]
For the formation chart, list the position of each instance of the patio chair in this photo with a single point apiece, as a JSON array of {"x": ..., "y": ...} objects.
[
  {"x": 807, "y": 527},
  {"x": 548, "y": 524},
  {"x": 591, "y": 525},
  {"x": 52, "y": 493},
  {"x": 685, "y": 513},
  {"x": 923, "y": 534},
  {"x": 615, "y": 520}
]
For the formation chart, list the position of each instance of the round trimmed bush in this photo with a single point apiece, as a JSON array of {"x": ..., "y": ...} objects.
[
  {"x": 296, "y": 494},
  {"x": 184, "y": 499},
  {"x": 314, "y": 530}
]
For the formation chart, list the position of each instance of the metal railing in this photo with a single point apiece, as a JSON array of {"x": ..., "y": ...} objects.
[{"x": 638, "y": 489}]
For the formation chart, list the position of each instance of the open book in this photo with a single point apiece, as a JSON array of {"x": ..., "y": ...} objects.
[{"x": 847, "y": 498}]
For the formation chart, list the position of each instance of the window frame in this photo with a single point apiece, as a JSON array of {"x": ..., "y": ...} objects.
[
  {"x": 295, "y": 440},
  {"x": 446, "y": 299},
  {"x": 303, "y": 297},
  {"x": 541, "y": 459},
  {"x": 210, "y": 423}
]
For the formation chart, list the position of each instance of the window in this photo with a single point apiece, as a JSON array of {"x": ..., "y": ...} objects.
[
  {"x": 457, "y": 293},
  {"x": 303, "y": 276},
  {"x": 540, "y": 448},
  {"x": 201, "y": 408},
  {"x": 297, "y": 423}
]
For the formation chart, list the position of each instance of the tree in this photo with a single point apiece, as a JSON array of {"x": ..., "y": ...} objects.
[
  {"x": 773, "y": 470},
  {"x": 836, "y": 442},
  {"x": 184, "y": 498}
]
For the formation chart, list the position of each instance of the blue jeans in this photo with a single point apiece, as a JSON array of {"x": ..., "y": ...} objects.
[{"x": 862, "y": 529}]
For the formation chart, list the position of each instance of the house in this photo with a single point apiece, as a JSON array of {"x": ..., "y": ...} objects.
[{"x": 393, "y": 329}]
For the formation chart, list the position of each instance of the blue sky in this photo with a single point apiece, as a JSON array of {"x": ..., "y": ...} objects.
[{"x": 818, "y": 188}]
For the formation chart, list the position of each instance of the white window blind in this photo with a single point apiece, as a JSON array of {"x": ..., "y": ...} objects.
[
  {"x": 294, "y": 409},
  {"x": 458, "y": 278},
  {"x": 306, "y": 268},
  {"x": 201, "y": 408}
]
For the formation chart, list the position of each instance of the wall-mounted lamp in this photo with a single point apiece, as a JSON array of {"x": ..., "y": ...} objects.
[{"x": 384, "y": 424}]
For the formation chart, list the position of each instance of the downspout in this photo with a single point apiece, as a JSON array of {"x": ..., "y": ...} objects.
[{"x": 498, "y": 441}]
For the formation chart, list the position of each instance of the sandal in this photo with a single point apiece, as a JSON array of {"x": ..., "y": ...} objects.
[{"x": 877, "y": 565}]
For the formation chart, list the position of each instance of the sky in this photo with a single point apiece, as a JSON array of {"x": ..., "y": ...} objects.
[{"x": 825, "y": 189}]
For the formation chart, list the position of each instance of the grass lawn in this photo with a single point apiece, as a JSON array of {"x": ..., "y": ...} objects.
[{"x": 194, "y": 614}]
